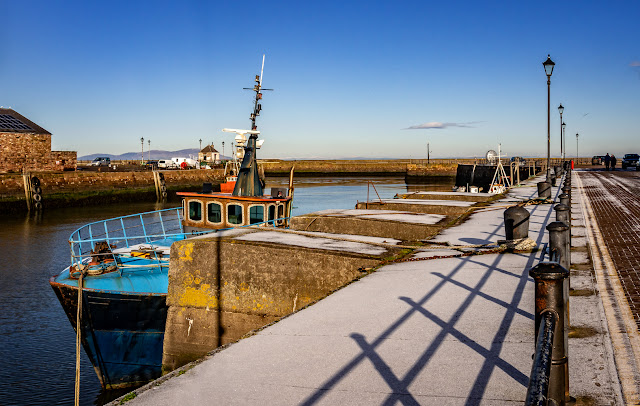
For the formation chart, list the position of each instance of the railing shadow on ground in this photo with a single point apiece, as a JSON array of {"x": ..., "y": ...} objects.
[{"x": 400, "y": 385}]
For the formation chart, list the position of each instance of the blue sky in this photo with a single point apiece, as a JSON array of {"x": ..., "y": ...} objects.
[{"x": 350, "y": 78}]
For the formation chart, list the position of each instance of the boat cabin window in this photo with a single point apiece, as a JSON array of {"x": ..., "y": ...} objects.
[
  {"x": 234, "y": 214},
  {"x": 256, "y": 214},
  {"x": 272, "y": 213},
  {"x": 214, "y": 213},
  {"x": 195, "y": 210},
  {"x": 280, "y": 213}
]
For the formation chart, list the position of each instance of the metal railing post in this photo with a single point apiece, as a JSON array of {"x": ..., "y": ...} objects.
[
  {"x": 563, "y": 213},
  {"x": 550, "y": 296},
  {"x": 565, "y": 199},
  {"x": 558, "y": 243}
]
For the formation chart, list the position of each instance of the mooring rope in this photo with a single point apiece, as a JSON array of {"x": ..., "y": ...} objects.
[{"x": 78, "y": 339}]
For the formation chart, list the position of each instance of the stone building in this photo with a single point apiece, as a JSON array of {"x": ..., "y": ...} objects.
[
  {"x": 209, "y": 155},
  {"x": 25, "y": 146}
]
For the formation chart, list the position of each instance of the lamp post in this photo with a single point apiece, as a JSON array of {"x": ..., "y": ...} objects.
[
  {"x": 548, "y": 69},
  {"x": 577, "y": 154},
  {"x": 564, "y": 149},
  {"x": 142, "y": 156},
  {"x": 428, "y": 154},
  {"x": 561, "y": 110},
  {"x": 149, "y": 152},
  {"x": 222, "y": 149}
]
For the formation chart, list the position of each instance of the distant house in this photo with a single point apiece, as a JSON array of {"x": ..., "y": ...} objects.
[
  {"x": 25, "y": 146},
  {"x": 209, "y": 154}
]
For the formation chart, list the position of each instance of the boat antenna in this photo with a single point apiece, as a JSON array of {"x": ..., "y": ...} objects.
[{"x": 257, "y": 107}]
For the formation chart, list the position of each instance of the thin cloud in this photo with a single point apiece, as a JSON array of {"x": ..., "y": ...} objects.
[
  {"x": 635, "y": 64},
  {"x": 438, "y": 125}
]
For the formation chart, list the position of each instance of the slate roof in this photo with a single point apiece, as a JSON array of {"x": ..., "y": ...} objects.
[
  {"x": 208, "y": 148},
  {"x": 13, "y": 122}
]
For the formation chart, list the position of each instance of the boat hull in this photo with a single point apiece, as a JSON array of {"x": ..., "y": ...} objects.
[{"x": 122, "y": 332}]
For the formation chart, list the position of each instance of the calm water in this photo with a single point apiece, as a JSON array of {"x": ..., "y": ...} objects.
[{"x": 37, "y": 342}]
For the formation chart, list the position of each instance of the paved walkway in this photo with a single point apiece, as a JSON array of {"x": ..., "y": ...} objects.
[
  {"x": 612, "y": 210},
  {"x": 447, "y": 331}
]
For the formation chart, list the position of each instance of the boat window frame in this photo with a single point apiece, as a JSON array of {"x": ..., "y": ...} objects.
[
  {"x": 249, "y": 213},
  {"x": 271, "y": 220},
  {"x": 278, "y": 215},
  {"x": 188, "y": 212},
  {"x": 242, "y": 214},
  {"x": 222, "y": 212}
]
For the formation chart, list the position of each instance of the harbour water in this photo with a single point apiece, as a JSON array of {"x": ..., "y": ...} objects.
[{"x": 37, "y": 342}]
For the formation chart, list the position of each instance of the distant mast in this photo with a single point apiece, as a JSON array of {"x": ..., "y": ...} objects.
[{"x": 248, "y": 183}]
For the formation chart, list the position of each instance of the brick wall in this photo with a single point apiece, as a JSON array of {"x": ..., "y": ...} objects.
[{"x": 32, "y": 152}]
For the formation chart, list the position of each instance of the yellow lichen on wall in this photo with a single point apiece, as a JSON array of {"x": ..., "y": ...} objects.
[{"x": 197, "y": 294}]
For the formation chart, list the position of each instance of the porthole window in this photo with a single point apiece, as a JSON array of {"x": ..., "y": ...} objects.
[
  {"x": 234, "y": 214},
  {"x": 214, "y": 213},
  {"x": 256, "y": 214},
  {"x": 195, "y": 210}
]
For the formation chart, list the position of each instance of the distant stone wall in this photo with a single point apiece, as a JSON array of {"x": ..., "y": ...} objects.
[
  {"x": 32, "y": 152},
  {"x": 76, "y": 182}
]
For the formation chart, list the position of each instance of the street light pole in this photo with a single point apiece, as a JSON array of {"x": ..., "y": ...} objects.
[
  {"x": 149, "y": 152},
  {"x": 548, "y": 69},
  {"x": 561, "y": 110},
  {"x": 564, "y": 139},
  {"x": 222, "y": 149},
  {"x": 577, "y": 154},
  {"x": 142, "y": 156},
  {"x": 428, "y": 154}
]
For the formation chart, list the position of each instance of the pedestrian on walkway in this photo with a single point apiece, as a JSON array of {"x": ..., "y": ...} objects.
[
  {"x": 613, "y": 162},
  {"x": 607, "y": 159}
]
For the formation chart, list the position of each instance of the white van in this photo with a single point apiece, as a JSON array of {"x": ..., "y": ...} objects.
[
  {"x": 179, "y": 161},
  {"x": 101, "y": 161},
  {"x": 166, "y": 164}
]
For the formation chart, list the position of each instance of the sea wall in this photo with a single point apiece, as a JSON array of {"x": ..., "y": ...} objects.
[
  {"x": 223, "y": 288},
  {"x": 78, "y": 187},
  {"x": 351, "y": 167}
]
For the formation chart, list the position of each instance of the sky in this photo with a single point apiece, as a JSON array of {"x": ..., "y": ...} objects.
[{"x": 351, "y": 79}]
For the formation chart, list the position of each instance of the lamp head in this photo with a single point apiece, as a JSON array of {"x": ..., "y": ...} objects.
[
  {"x": 548, "y": 66},
  {"x": 564, "y": 125},
  {"x": 560, "y": 108}
]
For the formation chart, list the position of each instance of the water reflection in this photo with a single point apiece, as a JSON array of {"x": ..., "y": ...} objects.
[{"x": 37, "y": 342}]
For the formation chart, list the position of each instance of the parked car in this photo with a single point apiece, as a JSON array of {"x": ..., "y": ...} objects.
[
  {"x": 151, "y": 164},
  {"x": 597, "y": 160},
  {"x": 101, "y": 161},
  {"x": 519, "y": 159},
  {"x": 630, "y": 161}
]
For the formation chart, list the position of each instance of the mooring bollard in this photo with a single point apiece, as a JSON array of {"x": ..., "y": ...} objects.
[
  {"x": 550, "y": 298},
  {"x": 516, "y": 223},
  {"x": 563, "y": 213},
  {"x": 566, "y": 189},
  {"x": 565, "y": 199},
  {"x": 544, "y": 190},
  {"x": 558, "y": 170},
  {"x": 559, "y": 248},
  {"x": 552, "y": 178}
]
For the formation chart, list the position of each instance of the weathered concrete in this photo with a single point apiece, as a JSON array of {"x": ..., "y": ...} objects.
[
  {"x": 223, "y": 286},
  {"x": 405, "y": 226},
  {"x": 445, "y": 207},
  {"x": 462, "y": 196}
]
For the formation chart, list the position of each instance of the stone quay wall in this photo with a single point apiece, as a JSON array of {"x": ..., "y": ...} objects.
[{"x": 353, "y": 167}]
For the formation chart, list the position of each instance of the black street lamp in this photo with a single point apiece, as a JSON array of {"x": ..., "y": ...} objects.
[
  {"x": 149, "y": 152},
  {"x": 142, "y": 156},
  {"x": 548, "y": 69},
  {"x": 577, "y": 154},
  {"x": 561, "y": 110},
  {"x": 564, "y": 139}
]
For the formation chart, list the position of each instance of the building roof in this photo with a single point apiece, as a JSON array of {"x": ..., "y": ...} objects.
[
  {"x": 208, "y": 148},
  {"x": 13, "y": 122}
]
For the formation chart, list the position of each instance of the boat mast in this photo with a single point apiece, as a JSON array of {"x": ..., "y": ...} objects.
[{"x": 248, "y": 183}]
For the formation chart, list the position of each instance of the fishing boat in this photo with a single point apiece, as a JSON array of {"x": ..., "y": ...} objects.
[{"x": 114, "y": 292}]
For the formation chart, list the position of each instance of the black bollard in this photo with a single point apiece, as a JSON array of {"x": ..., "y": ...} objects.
[
  {"x": 559, "y": 248},
  {"x": 563, "y": 213},
  {"x": 558, "y": 170},
  {"x": 565, "y": 199},
  {"x": 552, "y": 177},
  {"x": 550, "y": 297},
  {"x": 516, "y": 223},
  {"x": 544, "y": 190}
]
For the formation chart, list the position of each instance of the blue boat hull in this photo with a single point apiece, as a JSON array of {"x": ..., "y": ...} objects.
[{"x": 122, "y": 332}]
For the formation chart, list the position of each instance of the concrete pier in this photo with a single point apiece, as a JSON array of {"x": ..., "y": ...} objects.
[{"x": 446, "y": 327}]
